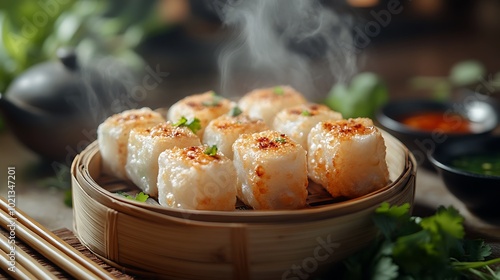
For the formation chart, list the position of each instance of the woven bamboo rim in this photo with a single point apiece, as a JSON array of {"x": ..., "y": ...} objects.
[{"x": 189, "y": 244}]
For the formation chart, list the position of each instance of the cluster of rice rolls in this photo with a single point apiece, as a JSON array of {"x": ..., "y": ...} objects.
[
  {"x": 272, "y": 171},
  {"x": 204, "y": 106},
  {"x": 144, "y": 147},
  {"x": 298, "y": 120},
  {"x": 347, "y": 157},
  {"x": 224, "y": 130},
  {"x": 113, "y": 133},
  {"x": 196, "y": 178},
  {"x": 265, "y": 103}
]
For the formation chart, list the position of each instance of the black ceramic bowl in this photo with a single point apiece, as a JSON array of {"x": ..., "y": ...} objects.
[
  {"x": 480, "y": 193},
  {"x": 481, "y": 115}
]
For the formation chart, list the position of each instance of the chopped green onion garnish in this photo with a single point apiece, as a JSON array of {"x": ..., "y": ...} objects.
[
  {"x": 193, "y": 125},
  {"x": 235, "y": 111},
  {"x": 211, "y": 151},
  {"x": 280, "y": 140},
  {"x": 278, "y": 90},
  {"x": 141, "y": 197},
  {"x": 306, "y": 113},
  {"x": 216, "y": 99}
]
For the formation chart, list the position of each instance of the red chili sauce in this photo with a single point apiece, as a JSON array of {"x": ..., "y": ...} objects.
[{"x": 438, "y": 121}]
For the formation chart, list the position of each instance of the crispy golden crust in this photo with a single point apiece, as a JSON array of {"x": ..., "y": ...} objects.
[
  {"x": 270, "y": 94},
  {"x": 346, "y": 129},
  {"x": 133, "y": 117},
  {"x": 197, "y": 155},
  {"x": 271, "y": 141},
  {"x": 166, "y": 130},
  {"x": 241, "y": 122},
  {"x": 310, "y": 109},
  {"x": 206, "y": 101}
]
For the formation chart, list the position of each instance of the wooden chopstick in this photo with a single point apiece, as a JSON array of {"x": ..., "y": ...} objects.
[
  {"x": 52, "y": 247},
  {"x": 25, "y": 260},
  {"x": 48, "y": 250},
  {"x": 19, "y": 271}
]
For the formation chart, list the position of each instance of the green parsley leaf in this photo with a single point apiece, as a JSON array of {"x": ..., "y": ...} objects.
[
  {"x": 278, "y": 90},
  {"x": 215, "y": 101},
  {"x": 235, "y": 111},
  {"x": 306, "y": 113},
  {"x": 194, "y": 125},
  {"x": 211, "y": 151},
  {"x": 141, "y": 197},
  {"x": 280, "y": 140}
]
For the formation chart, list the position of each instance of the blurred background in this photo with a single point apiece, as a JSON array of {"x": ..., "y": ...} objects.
[{"x": 128, "y": 54}]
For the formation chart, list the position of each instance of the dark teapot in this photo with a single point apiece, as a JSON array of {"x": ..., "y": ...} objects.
[{"x": 54, "y": 107}]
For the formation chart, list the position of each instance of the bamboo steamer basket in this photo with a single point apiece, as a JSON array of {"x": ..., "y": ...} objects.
[{"x": 149, "y": 240}]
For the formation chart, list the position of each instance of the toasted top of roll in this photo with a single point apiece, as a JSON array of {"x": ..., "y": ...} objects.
[
  {"x": 309, "y": 110},
  {"x": 143, "y": 115},
  {"x": 273, "y": 94},
  {"x": 269, "y": 141},
  {"x": 265, "y": 103},
  {"x": 346, "y": 129},
  {"x": 165, "y": 130},
  {"x": 198, "y": 155},
  {"x": 206, "y": 105},
  {"x": 240, "y": 123}
]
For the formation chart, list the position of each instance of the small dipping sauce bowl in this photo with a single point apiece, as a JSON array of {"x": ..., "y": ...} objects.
[
  {"x": 470, "y": 169},
  {"x": 423, "y": 124}
]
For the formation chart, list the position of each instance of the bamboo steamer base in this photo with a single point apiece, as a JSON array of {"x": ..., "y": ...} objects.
[{"x": 150, "y": 240}]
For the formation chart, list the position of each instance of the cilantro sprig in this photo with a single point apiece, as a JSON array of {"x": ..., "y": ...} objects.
[
  {"x": 432, "y": 247},
  {"x": 281, "y": 140},
  {"x": 141, "y": 197},
  {"x": 194, "y": 125}
]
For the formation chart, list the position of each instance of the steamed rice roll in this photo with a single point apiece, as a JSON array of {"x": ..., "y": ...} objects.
[
  {"x": 265, "y": 103},
  {"x": 272, "y": 171},
  {"x": 205, "y": 107},
  {"x": 144, "y": 147},
  {"x": 347, "y": 157},
  {"x": 113, "y": 133},
  {"x": 196, "y": 178},
  {"x": 297, "y": 121},
  {"x": 224, "y": 130}
]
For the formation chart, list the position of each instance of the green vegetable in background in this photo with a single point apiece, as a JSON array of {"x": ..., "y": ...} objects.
[
  {"x": 421, "y": 248},
  {"x": 463, "y": 74},
  {"x": 361, "y": 98},
  {"x": 466, "y": 73}
]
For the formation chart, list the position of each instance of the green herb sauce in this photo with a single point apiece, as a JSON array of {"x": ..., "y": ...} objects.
[{"x": 485, "y": 164}]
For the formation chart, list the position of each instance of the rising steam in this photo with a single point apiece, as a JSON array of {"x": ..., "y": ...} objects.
[{"x": 295, "y": 42}]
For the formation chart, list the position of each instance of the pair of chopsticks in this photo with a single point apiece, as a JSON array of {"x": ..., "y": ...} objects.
[{"x": 47, "y": 244}]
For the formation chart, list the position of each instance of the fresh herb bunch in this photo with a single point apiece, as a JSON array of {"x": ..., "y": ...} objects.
[{"x": 409, "y": 247}]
